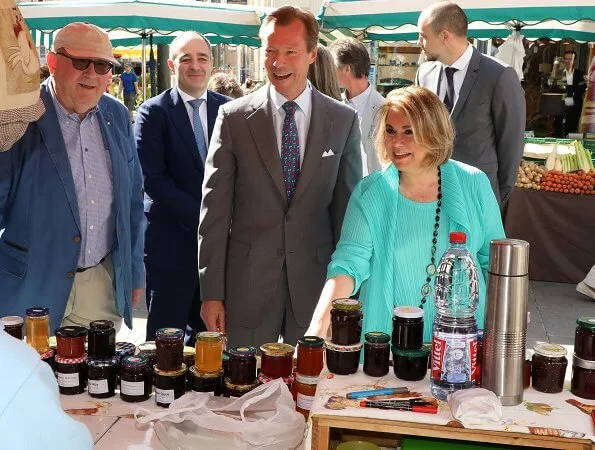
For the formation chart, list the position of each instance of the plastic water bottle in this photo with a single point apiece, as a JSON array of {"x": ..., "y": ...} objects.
[{"x": 454, "y": 343}]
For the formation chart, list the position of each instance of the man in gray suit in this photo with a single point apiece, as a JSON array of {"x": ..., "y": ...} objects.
[
  {"x": 280, "y": 170},
  {"x": 353, "y": 68},
  {"x": 484, "y": 95}
]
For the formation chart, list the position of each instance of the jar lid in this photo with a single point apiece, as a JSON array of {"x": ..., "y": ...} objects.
[
  {"x": 11, "y": 321},
  {"x": 277, "y": 349},
  {"x": 147, "y": 347},
  {"x": 209, "y": 336},
  {"x": 262, "y": 379},
  {"x": 342, "y": 348},
  {"x": 170, "y": 373},
  {"x": 347, "y": 304},
  {"x": 61, "y": 360},
  {"x": 240, "y": 387},
  {"x": 135, "y": 362},
  {"x": 377, "y": 337},
  {"x": 584, "y": 322},
  {"x": 37, "y": 311},
  {"x": 47, "y": 355},
  {"x": 311, "y": 341},
  {"x": 551, "y": 350},
  {"x": 198, "y": 374},
  {"x": 408, "y": 312},
  {"x": 71, "y": 332},
  {"x": 125, "y": 349},
  {"x": 169, "y": 334},
  {"x": 101, "y": 325},
  {"x": 242, "y": 352},
  {"x": 103, "y": 362},
  {"x": 306, "y": 380},
  {"x": 421, "y": 353}
]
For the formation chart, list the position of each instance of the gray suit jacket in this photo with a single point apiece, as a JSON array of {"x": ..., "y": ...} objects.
[
  {"x": 367, "y": 127},
  {"x": 489, "y": 118},
  {"x": 248, "y": 232}
]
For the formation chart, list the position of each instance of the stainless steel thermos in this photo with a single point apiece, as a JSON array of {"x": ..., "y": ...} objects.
[{"x": 505, "y": 329}]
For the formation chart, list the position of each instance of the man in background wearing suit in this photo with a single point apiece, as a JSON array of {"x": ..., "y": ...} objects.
[
  {"x": 353, "y": 67},
  {"x": 172, "y": 135},
  {"x": 484, "y": 95},
  {"x": 281, "y": 167},
  {"x": 575, "y": 92}
]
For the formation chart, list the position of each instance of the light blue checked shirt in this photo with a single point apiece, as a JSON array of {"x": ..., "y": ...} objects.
[{"x": 91, "y": 167}]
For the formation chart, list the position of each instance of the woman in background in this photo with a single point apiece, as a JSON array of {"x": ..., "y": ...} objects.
[{"x": 323, "y": 73}]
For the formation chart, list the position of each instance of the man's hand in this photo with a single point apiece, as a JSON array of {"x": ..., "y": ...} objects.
[
  {"x": 136, "y": 295},
  {"x": 212, "y": 312}
]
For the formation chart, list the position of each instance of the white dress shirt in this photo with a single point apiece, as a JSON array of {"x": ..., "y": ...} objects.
[
  {"x": 461, "y": 64},
  {"x": 569, "y": 101},
  {"x": 202, "y": 112},
  {"x": 302, "y": 116}
]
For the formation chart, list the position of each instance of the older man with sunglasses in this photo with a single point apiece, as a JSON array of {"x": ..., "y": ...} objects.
[{"x": 71, "y": 206}]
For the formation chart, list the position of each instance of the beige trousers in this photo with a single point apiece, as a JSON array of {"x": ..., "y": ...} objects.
[{"x": 93, "y": 297}]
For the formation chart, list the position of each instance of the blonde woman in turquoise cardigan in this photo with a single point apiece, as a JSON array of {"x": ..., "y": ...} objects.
[{"x": 395, "y": 214}]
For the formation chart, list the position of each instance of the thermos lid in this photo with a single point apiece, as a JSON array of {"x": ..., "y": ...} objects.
[{"x": 509, "y": 257}]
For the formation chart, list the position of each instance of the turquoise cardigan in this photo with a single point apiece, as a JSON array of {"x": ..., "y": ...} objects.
[{"x": 365, "y": 250}]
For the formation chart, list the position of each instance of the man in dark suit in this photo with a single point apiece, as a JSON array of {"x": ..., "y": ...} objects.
[
  {"x": 575, "y": 92},
  {"x": 484, "y": 95},
  {"x": 172, "y": 134},
  {"x": 281, "y": 167}
]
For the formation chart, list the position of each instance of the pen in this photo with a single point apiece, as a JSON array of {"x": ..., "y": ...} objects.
[
  {"x": 387, "y": 391},
  {"x": 400, "y": 407}
]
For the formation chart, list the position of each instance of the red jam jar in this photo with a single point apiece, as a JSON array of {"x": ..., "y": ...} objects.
[
  {"x": 310, "y": 356},
  {"x": 584, "y": 338},
  {"x": 242, "y": 365},
  {"x": 71, "y": 341},
  {"x": 346, "y": 321},
  {"x": 169, "y": 343},
  {"x": 548, "y": 368},
  {"x": 276, "y": 360},
  {"x": 13, "y": 325}
]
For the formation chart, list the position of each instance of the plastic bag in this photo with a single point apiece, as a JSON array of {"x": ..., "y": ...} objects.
[
  {"x": 264, "y": 418},
  {"x": 476, "y": 406}
]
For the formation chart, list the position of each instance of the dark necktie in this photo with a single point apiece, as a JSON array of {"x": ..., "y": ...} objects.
[
  {"x": 199, "y": 134},
  {"x": 290, "y": 149},
  {"x": 449, "y": 98}
]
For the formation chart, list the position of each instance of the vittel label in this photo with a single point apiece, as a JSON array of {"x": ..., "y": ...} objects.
[
  {"x": 97, "y": 386},
  {"x": 164, "y": 395},
  {"x": 132, "y": 387},
  {"x": 454, "y": 357},
  {"x": 68, "y": 379},
  {"x": 304, "y": 401}
]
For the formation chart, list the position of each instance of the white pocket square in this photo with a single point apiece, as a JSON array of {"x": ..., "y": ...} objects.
[{"x": 329, "y": 152}]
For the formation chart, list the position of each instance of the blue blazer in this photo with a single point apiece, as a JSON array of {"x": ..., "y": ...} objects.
[
  {"x": 173, "y": 173},
  {"x": 39, "y": 216}
]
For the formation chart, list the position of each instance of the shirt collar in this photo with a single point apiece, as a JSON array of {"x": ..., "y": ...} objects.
[
  {"x": 464, "y": 59},
  {"x": 187, "y": 97},
  {"x": 304, "y": 100},
  {"x": 62, "y": 113},
  {"x": 359, "y": 100}
]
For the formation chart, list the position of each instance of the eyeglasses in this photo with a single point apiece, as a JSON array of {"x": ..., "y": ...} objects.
[{"x": 101, "y": 67}]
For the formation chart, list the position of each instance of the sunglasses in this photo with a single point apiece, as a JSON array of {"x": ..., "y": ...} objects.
[{"x": 101, "y": 67}]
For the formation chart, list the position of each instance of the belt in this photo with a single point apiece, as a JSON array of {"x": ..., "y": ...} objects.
[{"x": 82, "y": 269}]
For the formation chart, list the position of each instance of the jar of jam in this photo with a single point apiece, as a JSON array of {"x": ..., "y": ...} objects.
[
  {"x": 527, "y": 370},
  {"x": 71, "y": 374},
  {"x": 38, "y": 328},
  {"x": 408, "y": 327},
  {"x": 149, "y": 349},
  {"x": 310, "y": 356},
  {"x": 346, "y": 321},
  {"x": 101, "y": 339},
  {"x": 101, "y": 376},
  {"x": 206, "y": 382},
  {"x": 376, "y": 354},
  {"x": 242, "y": 365},
  {"x": 304, "y": 389},
  {"x": 189, "y": 355},
  {"x": 342, "y": 359},
  {"x": 136, "y": 378},
  {"x": 71, "y": 341},
  {"x": 169, "y": 385},
  {"x": 209, "y": 352},
  {"x": 231, "y": 389},
  {"x": 125, "y": 349},
  {"x": 549, "y": 368},
  {"x": 582, "y": 383},
  {"x": 169, "y": 343},
  {"x": 584, "y": 338},
  {"x": 276, "y": 360},
  {"x": 411, "y": 365},
  {"x": 13, "y": 325}
]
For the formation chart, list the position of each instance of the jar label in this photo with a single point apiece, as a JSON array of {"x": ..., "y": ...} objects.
[
  {"x": 304, "y": 401},
  {"x": 132, "y": 387},
  {"x": 164, "y": 395},
  {"x": 68, "y": 379},
  {"x": 98, "y": 386},
  {"x": 454, "y": 357}
]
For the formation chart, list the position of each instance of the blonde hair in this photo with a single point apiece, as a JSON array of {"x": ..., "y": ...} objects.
[
  {"x": 429, "y": 118},
  {"x": 322, "y": 73}
]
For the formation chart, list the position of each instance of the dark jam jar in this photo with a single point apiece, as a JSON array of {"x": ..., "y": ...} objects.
[
  {"x": 411, "y": 365},
  {"x": 231, "y": 389},
  {"x": 149, "y": 349},
  {"x": 136, "y": 379},
  {"x": 125, "y": 349},
  {"x": 71, "y": 374},
  {"x": 548, "y": 368},
  {"x": 170, "y": 348},
  {"x": 408, "y": 327},
  {"x": 242, "y": 365},
  {"x": 584, "y": 338},
  {"x": 276, "y": 360},
  {"x": 376, "y": 354},
  {"x": 582, "y": 383},
  {"x": 71, "y": 341},
  {"x": 342, "y": 359},
  {"x": 310, "y": 356},
  {"x": 206, "y": 382},
  {"x": 102, "y": 374},
  {"x": 169, "y": 385},
  {"x": 13, "y": 325},
  {"x": 346, "y": 321},
  {"x": 101, "y": 339}
]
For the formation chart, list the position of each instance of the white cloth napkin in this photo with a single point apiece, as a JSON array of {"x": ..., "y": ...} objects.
[{"x": 475, "y": 406}]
